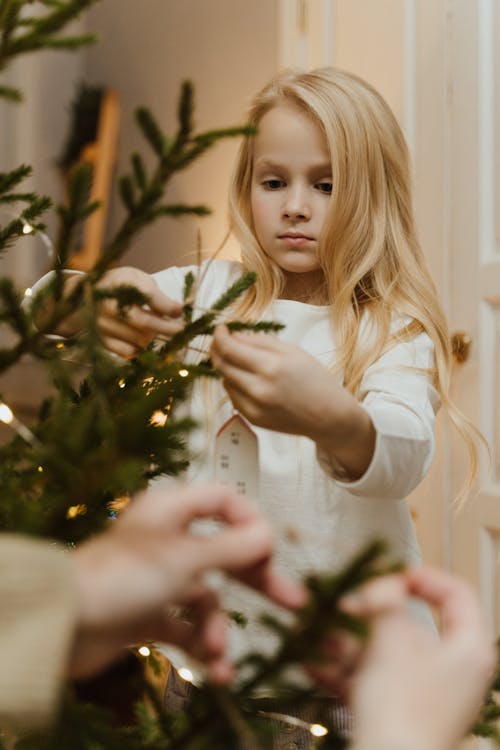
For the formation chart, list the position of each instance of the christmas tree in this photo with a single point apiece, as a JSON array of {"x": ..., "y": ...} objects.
[{"x": 110, "y": 426}]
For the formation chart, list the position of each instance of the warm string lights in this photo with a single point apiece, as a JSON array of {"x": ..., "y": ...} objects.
[
  {"x": 317, "y": 730},
  {"x": 8, "y": 417},
  {"x": 29, "y": 229},
  {"x": 186, "y": 674},
  {"x": 159, "y": 417},
  {"x": 76, "y": 510}
]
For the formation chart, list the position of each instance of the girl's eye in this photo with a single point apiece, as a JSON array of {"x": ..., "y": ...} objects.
[
  {"x": 324, "y": 187},
  {"x": 273, "y": 184}
]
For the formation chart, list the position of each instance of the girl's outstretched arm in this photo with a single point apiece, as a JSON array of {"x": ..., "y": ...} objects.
[{"x": 277, "y": 385}]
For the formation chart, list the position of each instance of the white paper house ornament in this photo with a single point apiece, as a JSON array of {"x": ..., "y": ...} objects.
[{"x": 237, "y": 456}]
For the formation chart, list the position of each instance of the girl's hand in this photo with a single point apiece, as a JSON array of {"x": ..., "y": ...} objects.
[
  {"x": 126, "y": 336},
  {"x": 279, "y": 386},
  {"x": 273, "y": 383}
]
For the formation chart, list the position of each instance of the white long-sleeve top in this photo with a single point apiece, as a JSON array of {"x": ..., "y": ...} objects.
[{"x": 321, "y": 522}]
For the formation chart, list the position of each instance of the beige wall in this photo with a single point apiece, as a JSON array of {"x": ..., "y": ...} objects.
[
  {"x": 228, "y": 49},
  {"x": 369, "y": 41}
]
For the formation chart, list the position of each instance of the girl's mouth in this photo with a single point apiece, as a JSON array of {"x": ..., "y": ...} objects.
[{"x": 294, "y": 238}]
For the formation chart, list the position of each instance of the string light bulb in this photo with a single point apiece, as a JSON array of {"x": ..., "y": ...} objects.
[
  {"x": 28, "y": 292},
  {"x": 28, "y": 229},
  {"x": 144, "y": 651},
  {"x": 6, "y": 414},
  {"x": 318, "y": 730},
  {"x": 186, "y": 674},
  {"x": 8, "y": 417},
  {"x": 183, "y": 373},
  {"x": 76, "y": 510},
  {"x": 119, "y": 503},
  {"x": 158, "y": 418}
]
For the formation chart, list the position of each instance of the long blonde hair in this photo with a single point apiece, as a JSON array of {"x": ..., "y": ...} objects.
[{"x": 369, "y": 251}]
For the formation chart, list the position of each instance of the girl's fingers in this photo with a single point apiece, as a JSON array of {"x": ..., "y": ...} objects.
[
  {"x": 161, "y": 304},
  {"x": 235, "y": 378},
  {"x": 143, "y": 320},
  {"x": 121, "y": 348},
  {"x": 227, "y": 351},
  {"x": 117, "y": 329},
  {"x": 262, "y": 341},
  {"x": 245, "y": 404}
]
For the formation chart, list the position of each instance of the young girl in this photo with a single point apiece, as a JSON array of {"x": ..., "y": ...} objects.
[{"x": 343, "y": 399}]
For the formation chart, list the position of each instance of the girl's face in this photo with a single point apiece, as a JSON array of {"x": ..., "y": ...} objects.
[{"x": 290, "y": 194}]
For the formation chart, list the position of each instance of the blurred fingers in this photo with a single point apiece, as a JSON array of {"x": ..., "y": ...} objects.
[
  {"x": 380, "y": 595},
  {"x": 121, "y": 348}
]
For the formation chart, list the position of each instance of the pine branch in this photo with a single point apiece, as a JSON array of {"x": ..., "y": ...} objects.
[
  {"x": 9, "y": 92},
  {"x": 142, "y": 194},
  {"x": 19, "y": 35},
  {"x": 76, "y": 211},
  {"x": 9, "y": 180},
  {"x": 260, "y": 326},
  {"x": 487, "y": 723},
  {"x": 204, "y": 325}
]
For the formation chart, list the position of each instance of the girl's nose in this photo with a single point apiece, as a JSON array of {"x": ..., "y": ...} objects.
[{"x": 296, "y": 205}]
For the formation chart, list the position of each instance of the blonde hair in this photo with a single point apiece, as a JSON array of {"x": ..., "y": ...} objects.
[{"x": 369, "y": 251}]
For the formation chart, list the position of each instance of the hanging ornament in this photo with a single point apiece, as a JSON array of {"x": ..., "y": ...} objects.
[{"x": 237, "y": 456}]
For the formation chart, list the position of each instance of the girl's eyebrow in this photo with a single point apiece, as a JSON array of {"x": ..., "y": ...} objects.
[
  {"x": 264, "y": 163},
  {"x": 324, "y": 168}
]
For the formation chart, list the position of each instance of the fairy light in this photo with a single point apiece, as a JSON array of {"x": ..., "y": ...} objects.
[
  {"x": 119, "y": 503},
  {"x": 76, "y": 510},
  {"x": 186, "y": 674},
  {"x": 147, "y": 384},
  {"x": 28, "y": 292},
  {"x": 6, "y": 414},
  {"x": 318, "y": 730},
  {"x": 8, "y": 417},
  {"x": 40, "y": 469},
  {"x": 121, "y": 383},
  {"x": 183, "y": 373},
  {"x": 158, "y": 418},
  {"x": 28, "y": 229},
  {"x": 144, "y": 651}
]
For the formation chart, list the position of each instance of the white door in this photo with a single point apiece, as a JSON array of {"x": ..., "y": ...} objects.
[{"x": 475, "y": 287}]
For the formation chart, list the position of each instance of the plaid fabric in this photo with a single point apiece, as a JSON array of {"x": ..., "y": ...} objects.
[{"x": 286, "y": 736}]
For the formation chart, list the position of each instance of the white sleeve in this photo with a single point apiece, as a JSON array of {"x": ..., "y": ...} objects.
[
  {"x": 398, "y": 394},
  {"x": 171, "y": 281}
]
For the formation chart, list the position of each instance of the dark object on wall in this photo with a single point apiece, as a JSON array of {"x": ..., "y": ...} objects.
[
  {"x": 85, "y": 109},
  {"x": 93, "y": 140}
]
